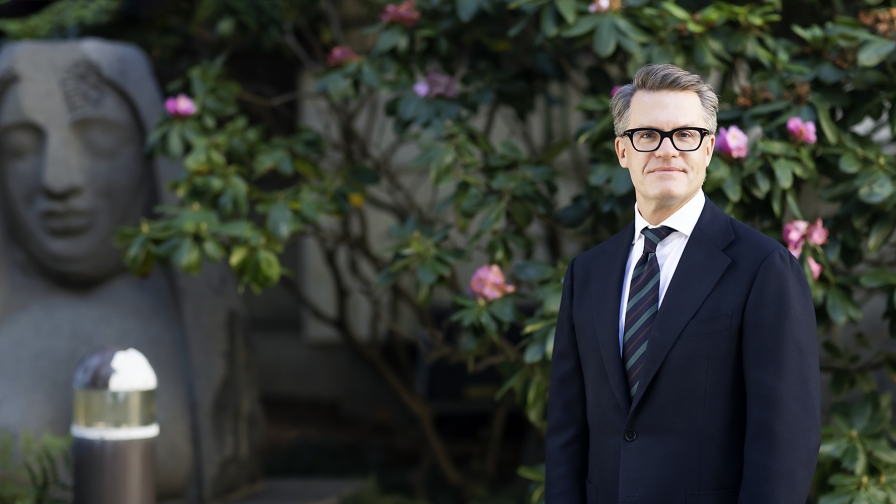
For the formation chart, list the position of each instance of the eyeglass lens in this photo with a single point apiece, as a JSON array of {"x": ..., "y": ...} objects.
[{"x": 683, "y": 140}]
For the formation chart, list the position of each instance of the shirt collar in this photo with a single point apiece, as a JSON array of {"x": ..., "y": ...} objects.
[{"x": 683, "y": 220}]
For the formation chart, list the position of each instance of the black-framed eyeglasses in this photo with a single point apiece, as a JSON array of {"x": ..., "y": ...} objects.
[{"x": 683, "y": 139}]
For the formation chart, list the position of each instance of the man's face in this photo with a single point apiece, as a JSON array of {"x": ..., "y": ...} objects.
[
  {"x": 666, "y": 177},
  {"x": 70, "y": 179}
]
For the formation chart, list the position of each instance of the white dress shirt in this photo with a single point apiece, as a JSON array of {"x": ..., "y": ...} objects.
[{"x": 668, "y": 252}]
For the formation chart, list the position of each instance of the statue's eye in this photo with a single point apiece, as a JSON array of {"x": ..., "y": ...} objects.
[
  {"x": 103, "y": 137},
  {"x": 20, "y": 140}
]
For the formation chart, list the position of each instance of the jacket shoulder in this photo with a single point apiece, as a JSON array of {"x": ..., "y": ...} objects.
[{"x": 745, "y": 235}]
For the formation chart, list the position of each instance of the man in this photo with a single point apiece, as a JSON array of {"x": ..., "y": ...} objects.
[{"x": 685, "y": 365}]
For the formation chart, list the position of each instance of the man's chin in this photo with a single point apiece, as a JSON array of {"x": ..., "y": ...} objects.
[{"x": 671, "y": 195}]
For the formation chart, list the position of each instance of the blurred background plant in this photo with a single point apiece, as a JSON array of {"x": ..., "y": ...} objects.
[
  {"x": 34, "y": 471},
  {"x": 479, "y": 132}
]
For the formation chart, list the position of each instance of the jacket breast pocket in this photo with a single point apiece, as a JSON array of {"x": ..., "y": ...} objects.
[
  {"x": 723, "y": 497},
  {"x": 706, "y": 325},
  {"x": 590, "y": 492}
]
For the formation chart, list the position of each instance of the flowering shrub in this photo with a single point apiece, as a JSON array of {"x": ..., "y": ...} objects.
[
  {"x": 340, "y": 55},
  {"x": 488, "y": 283},
  {"x": 436, "y": 85},
  {"x": 802, "y": 131},
  {"x": 404, "y": 13},
  {"x": 180, "y": 106},
  {"x": 732, "y": 142},
  {"x": 247, "y": 191}
]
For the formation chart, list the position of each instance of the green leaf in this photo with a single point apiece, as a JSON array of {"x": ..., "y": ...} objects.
[
  {"x": 280, "y": 220},
  {"x": 533, "y": 271},
  {"x": 534, "y": 353},
  {"x": 605, "y": 38},
  {"x": 213, "y": 251},
  {"x": 582, "y": 26},
  {"x": 175, "y": 143},
  {"x": 827, "y": 125},
  {"x": 767, "y": 108},
  {"x": 503, "y": 309},
  {"x": 763, "y": 184},
  {"x": 836, "y": 305},
  {"x": 874, "y": 52},
  {"x": 621, "y": 183},
  {"x": 187, "y": 257},
  {"x": 878, "y": 277},
  {"x": 466, "y": 9},
  {"x": 549, "y": 21},
  {"x": 880, "y": 188},
  {"x": 832, "y": 448},
  {"x": 574, "y": 214},
  {"x": 849, "y": 163},
  {"x": 237, "y": 255},
  {"x": 534, "y": 473},
  {"x": 731, "y": 187},
  {"x": 567, "y": 9},
  {"x": 427, "y": 273},
  {"x": 880, "y": 232},
  {"x": 388, "y": 39},
  {"x": 783, "y": 172},
  {"x": 269, "y": 266},
  {"x": 676, "y": 11}
]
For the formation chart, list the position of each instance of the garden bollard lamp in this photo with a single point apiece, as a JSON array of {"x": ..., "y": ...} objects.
[{"x": 114, "y": 428}]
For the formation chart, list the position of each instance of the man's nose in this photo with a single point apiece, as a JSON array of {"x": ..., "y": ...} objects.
[
  {"x": 62, "y": 177},
  {"x": 666, "y": 148}
]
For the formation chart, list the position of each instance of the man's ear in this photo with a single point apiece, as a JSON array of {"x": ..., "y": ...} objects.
[
  {"x": 710, "y": 147},
  {"x": 620, "y": 152}
]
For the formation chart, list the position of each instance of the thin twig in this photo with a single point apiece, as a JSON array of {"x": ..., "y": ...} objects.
[
  {"x": 268, "y": 102},
  {"x": 290, "y": 38},
  {"x": 335, "y": 24}
]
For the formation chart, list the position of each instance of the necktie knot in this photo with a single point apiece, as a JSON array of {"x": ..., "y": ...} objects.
[{"x": 653, "y": 236}]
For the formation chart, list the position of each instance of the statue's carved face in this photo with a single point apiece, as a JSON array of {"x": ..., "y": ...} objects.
[{"x": 72, "y": 166}]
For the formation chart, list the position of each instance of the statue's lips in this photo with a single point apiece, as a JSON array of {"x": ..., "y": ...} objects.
[{"x": 66, "y": 223}]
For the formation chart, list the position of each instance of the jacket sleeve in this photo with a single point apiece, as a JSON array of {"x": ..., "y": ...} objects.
[
  {"x": 566, "y": 439},
  {"x": 781, "y": 376}
]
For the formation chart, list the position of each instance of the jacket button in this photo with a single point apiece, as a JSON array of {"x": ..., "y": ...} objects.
[{"x": 631, "y": 435}]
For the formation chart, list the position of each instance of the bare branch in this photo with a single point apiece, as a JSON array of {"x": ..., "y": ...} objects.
[
  {"x": 335, "y": 24},
  {"x": 290, "y": 38},
  {"x": 268, "y": 102}
]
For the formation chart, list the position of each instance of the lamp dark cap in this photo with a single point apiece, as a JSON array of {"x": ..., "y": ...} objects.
[{"x": 116, "y": 369}]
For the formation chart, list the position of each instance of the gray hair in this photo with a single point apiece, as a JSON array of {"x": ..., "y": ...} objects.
[{"x": 663, "y": 78}]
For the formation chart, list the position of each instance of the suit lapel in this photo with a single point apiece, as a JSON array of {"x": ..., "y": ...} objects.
[
  {"x": 607, "y": 275},
  {"x": 702, "y": 264}
]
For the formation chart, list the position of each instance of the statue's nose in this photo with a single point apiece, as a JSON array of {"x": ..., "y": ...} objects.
[{"x": 62, "y": 176}]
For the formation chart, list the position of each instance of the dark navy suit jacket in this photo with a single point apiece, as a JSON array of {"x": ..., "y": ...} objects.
[{"x": 728, "y": 408}]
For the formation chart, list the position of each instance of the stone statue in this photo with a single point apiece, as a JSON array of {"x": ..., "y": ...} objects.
[{"x": 73, "y": 119}]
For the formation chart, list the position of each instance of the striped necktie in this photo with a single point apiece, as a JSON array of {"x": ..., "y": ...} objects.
[{"x": 643, "y": 303}]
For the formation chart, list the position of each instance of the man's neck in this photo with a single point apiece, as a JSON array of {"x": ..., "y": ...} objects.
[{"x": 656, "y": 213}]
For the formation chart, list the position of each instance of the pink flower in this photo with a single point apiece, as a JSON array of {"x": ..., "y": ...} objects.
[
  {"x": 181, "y": 106},
  {"x": 614, "y": 91},
  {"x": 421, "y": 88},
  {"x": 802, "y": 131},
  {"x": 340, "y": 55},
  {"x": 435, "y": 85},
  {"x": 795, "y": 235},
  {"x": 815, "y": 267},
  {"x": 404, "y": 13},
  {"x": 599, "y": 6},
  {"x": 488, "y": 283},
  {"x": 732, "y": 142},
  {"x": 817, "y": 234}
]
